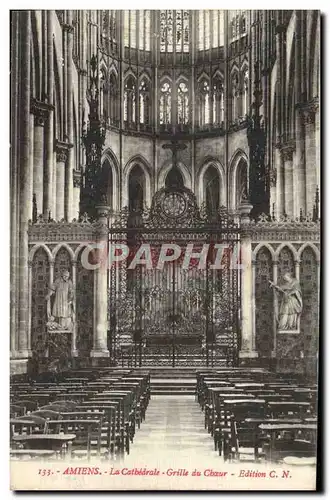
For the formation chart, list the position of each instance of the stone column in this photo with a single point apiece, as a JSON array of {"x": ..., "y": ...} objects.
[
  {"x": 49, "y": 126},
  {"x": 287, "y": 159},
  {"x": 279, "y": 201},
  {"x": 69, "y": 215},
  {"x": 100, "y": 340},
  {"x": 308, "y": 112},
  {"x": 247, "y": 298},
  {"x": 14, "y": 150},
  {"x": 76, "y": 193},
  {"x": 300, "y": 165},
  {"x": 40, "y": 111},
  {"x": 54, "y": 185},
  {"x": 24, "y": 164},
  {"x": 74, "y": 352},
  {"x": 62, "y": 149},
  {"x": 275, "y": 307}
]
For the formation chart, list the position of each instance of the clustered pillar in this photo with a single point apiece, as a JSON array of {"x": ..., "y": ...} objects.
[
  {"x": 247, "y": 292},
  {"x": 100, "y": 340}
]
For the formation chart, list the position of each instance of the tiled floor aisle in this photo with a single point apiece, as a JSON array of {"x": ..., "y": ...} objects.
[{"x": 174, "y": 426}]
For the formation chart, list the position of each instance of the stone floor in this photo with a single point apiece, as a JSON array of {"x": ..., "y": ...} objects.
[{"x": 174, "y": 427}]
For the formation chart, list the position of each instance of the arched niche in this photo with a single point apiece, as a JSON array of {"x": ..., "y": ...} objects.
[
  {"x": 238, "y": 180},
  {"x": 40, "y": 274},
  {"x": 212, "y": 189},
  {"x": 136, "y": 189},
  {"x": 84, "y": 307},
  {"x": 264, "y": 306},
  {"x": 309, "y": 320},
  {"x": 241, "y": 191},
  {"x": 107, "y": 184},
  {"x": 62, "y": 262},
  {"x": 174, "y": 178}
]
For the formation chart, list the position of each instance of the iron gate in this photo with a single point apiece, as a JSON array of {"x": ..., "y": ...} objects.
[{"x": 184, "y": 310}]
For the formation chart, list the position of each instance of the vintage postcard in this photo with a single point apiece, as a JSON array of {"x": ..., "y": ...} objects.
[{"x": 165, "y": 249}]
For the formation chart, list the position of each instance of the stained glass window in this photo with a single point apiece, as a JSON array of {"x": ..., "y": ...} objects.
[
  {"x": 237, "y": 24},
  {"x": 183, "y": 104},
  {"x": 234, "y": 101},
  {"x": 113, "y": 99},
  {"x": 245, "y": 92},
  {"x": 204, "y": 103},
  {"x": 130, "y": 100},
  {"x": 174, "y": 31},
  {"x": 166, "y": 31},
  {"x": 144, "y": 102},
  {"x": 210, "y": 29},
  {"x": 218, "y": 101},
  {"x": 165, "y": 104},
  {"x": 137, "y": 29}
]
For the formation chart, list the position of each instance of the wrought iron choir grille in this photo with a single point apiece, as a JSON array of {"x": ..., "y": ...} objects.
[{"x": 175, "y": 313}]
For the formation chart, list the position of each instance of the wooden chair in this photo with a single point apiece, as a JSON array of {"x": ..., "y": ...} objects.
[
  {"x": 17, "y": 410},
  {"x": 88, "y": 435},
  {"x": 239, "y": 436},
  {"x": 109, "y": 425}
]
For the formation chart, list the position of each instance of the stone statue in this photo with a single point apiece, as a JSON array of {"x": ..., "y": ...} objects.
[
  {"x": 62, "y": 314},
  {"x": 291, "y": 303}
]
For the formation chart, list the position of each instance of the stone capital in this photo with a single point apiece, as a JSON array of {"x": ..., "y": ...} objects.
[
  {"x": 272, "y": 177},
  {"x": 245, "y": 353},
  {"x": 40, "y": 110},
  {"x": 103, "y": 211},
  {"x": 308, "y": 111},
  {"x": 68, "y": 27},
  {"x": 76, "y": 178},
  {"x": 62, "y": 150},
  {"x": 99, "y": 353},
  {"x": 287, "y": 149}
]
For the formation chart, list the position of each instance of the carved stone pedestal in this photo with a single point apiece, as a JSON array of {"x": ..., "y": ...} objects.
[
  {"x": 248, "y": 358},
  {"x": 289, "y": 352}
]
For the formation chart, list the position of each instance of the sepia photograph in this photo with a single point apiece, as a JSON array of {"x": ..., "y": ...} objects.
[{"x": 165, "y": 219}]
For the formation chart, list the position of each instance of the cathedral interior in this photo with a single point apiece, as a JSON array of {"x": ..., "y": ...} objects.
[
  {"x": 165, "y": 126},
  {"x": 165, "y": 244}
]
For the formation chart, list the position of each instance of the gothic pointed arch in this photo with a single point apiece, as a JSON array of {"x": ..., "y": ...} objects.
[
  {"x": 211, "y": 176},
  {"x": 113, "y": 98},
  {"x": 137, "y": 183},
  {"x": 130, "y": 91},
  {"x": 218, "y": 99},
  {"x": 144, "y": 107},
  {"x": 165, "y": 103},
  {"x": 245, "y": 87},
  {"x": 104, "y": 92},
  {"x": 238, "y": 178},
  {"x": 110, "y": 173},
  {"x": 183, "y": 98},
  {"x": 165, "y": 169},
  {"x": 204, "y": 101},
  {"x": 234, "y": 93}
]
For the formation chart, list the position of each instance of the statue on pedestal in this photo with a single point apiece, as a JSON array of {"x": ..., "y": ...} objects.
[
  {"x": 291, "y": 303},
  {"x": 61, "y": 316}
]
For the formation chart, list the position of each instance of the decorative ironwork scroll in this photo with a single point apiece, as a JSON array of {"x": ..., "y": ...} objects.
[{"x": 176, "y": 307}]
